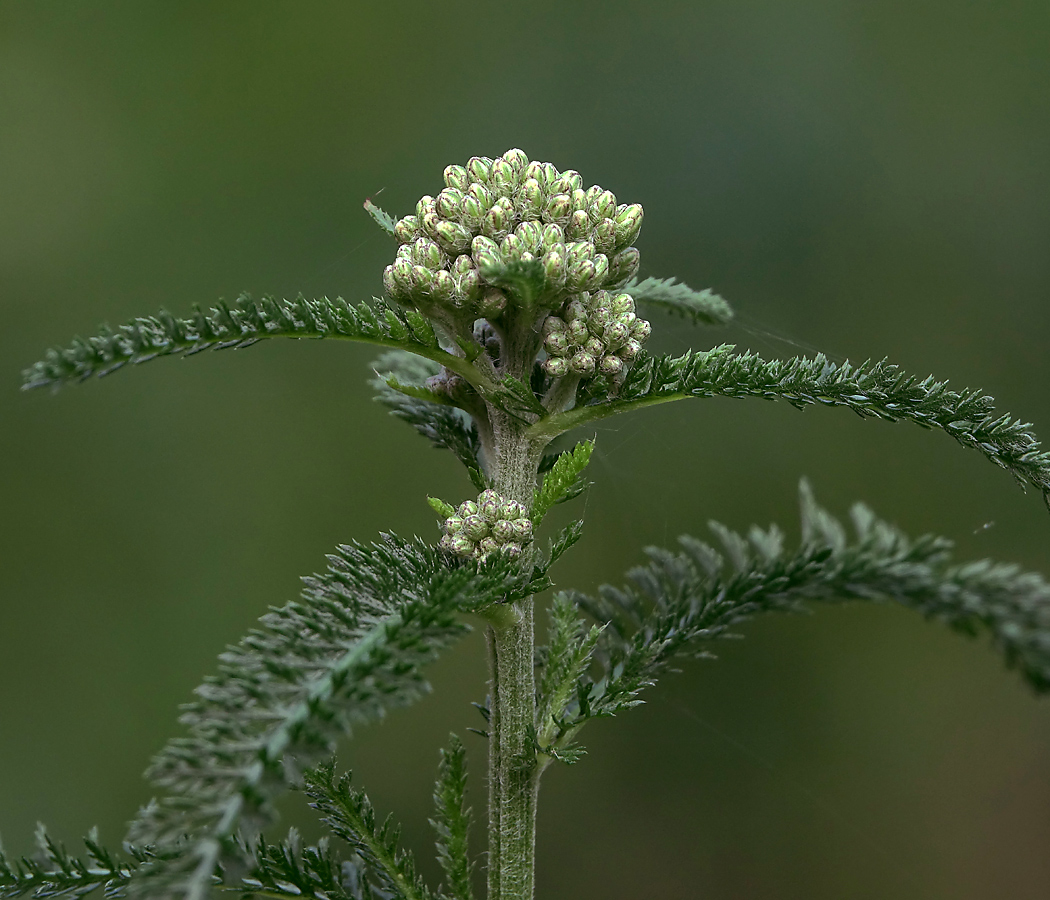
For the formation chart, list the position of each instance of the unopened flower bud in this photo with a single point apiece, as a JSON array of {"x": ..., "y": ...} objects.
[
  {"x": 511, "y": 248},
  {"x": 461, "y": 545},
  {"x": 558, "y": 209},
  {"x": 616, "y": 335},
  {"x": 641, "y": 330},
  {"x": 390, "y": 283},
  {"x": 531, "y": 199},
  {"x": 512, "y": 509},
  {"x": 485, "y": 251},
  {"x": 579, "y": 200},
  {"x": 582, "y": 275},
  {"x": 489, "y": 504},
  {"x": 468, "y": 285},
  {"x": 492, "y": 303},
  {"x": 504, "y": 178},
  {"x": 482, "y": 194},
  {"x": 577, "y": 309},
  {"x": 422, "y": 280},
  {"x": 453, "y": 525},
  {"x": 531, "y": 236},
  {"x": 446, "y": 542},
  {"x": 554, "y": 267},
  {"x": 601, "y": 270},
  {"x": 427, "y": 253},
  {"x": 579, "y": 226},
  {"x": 471, "y": 211},
  {"x": 448, "y": 203},
  {"x": 627, "y": 318},
  {"x": 622, "y": 303},
  {"x": 557, "y": 343},
  {"x": 480, "y": 169},
  {"x": 407, "y": 229},
  {"x": 475, "y": 527},
  {"x": 630, "y": 350},
  {"x": 603, "y": 206},
  {"x": 457, "y": 177},
  {"x": 553, "y": 324},
  {"x": 604, "y": 236},
  {"x": 594, "y": 346},
  {"x": 598, "y": 317},
  {"x": 623, "y": 265},
  {"x": 569, "y": 181},
  {"x": 556, "y": 366},
  {"x": 401, "y": 270},
  {"x": 518, "y": 160},
  {"x": 503, "y": 531},
  {"x": 628, "y": 224},
  {"x": 452, "y": 236},
  {"x": 578, "y": 331},
  {"x": 522, "y": 529},
  {"x": 497, "y": 221},
  {"x": 443, "y": 286},
  {"x": 553, "y": 234},
  {"x": 582, "y": 363},
  {"x": 486, "y": 546},
  {"x": 611, "y": 365},
  {"x": 578, "y": 251}
]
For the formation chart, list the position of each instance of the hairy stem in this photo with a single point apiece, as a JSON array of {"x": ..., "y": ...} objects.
[{"x": 513, "y": 771}]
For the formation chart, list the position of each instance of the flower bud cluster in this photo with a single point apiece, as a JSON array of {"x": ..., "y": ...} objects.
[
  {"x": 596, "y": 333},
  {"x": 496, "y": 212},
  {"x": 487, "y": 525}
]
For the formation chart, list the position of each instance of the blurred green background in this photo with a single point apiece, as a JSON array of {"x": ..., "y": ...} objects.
[{"x": 866, "y": 179}]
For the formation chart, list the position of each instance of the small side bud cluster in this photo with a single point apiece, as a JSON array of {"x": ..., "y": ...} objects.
[
  {"x": 596, "y": 333},
  {"x": 486, "y": 526},
  {"x": 495, "y": 212}
]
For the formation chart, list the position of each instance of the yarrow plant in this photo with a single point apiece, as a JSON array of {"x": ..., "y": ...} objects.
[{"x": 510, "y": 319}]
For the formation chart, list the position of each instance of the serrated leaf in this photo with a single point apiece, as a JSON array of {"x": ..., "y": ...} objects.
[
  {"x": 562, "y": 482},
  {"x": 701, "y": 307},
  {"x": 383, "y": 219}
]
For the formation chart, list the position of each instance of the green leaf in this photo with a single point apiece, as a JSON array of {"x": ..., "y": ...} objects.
[
  {"x": 241, "y": 325},
  {"x": 452, "y": 821},
  {"x": 288, "y": 869},
  {"x": 350, "y": 816},
  {"x": 52, "y": 872},
  {"x": 526, "y": 281},
  {"x": 877, "y": 390},
  {"x": 383, "y": 219},
  {"x": 679, "y": 603},
  {"x": 442, "y": 508},
  {"x": 353, "y": 647},
  {"x": 562, "y": 482},
  {"x": 701, "y": 307}
]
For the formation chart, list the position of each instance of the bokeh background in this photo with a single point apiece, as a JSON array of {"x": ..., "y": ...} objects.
[{"x": 865, "y": 179}]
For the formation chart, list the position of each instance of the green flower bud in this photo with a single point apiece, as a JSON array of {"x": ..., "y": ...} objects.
[
  {"x": 570, "y": 180},
  {"x": 554, "y": 267},
  {"x": 486, "y": 546},
  {"x": 422, "y": 280},
  {"x": 604, "y": 205},
  {"x": 511, "y": 248},
  {"x": 532, "y": 199},
  {"x": 622, "y": 303},
  {"x": 582, "y": 363},
  {"x": 443, "y": 286},
  {"x": 575, "y": 310},
  {"x": 557, "y": 343},
  {"x": 497, "y": 221},
  {"x": 504, "y": 178},
  {"x": 578, "y": 251},
  {"x": 427, "y": 253},
  {"x": 482, "y": 194},
  {"x": 556, "y": 366},
  {"x": 611, "y": 366},
  {"x": 578, "y": 331},
  {"x": 471, "y": 211},
  {"x": 531, "y": 236},
  {"x": 518, "y": 160},
  {"x": 512, "y": 550},
  {"x": 461, "y": 545},
  {"x": 594, "y": 346},
  {"x": 468, "y": 285},
  {"x": 535, "y": 171},
  {"x": 448, "y": 203},
  {"x": 452, "y": 236},
  {"x": 425, "y": 205},
  {"x": 581, "y": 276},
  {"x": 513, "y": 510},
  {"x": 485, "y": 251},
  {"x": 558, "y": 210},
  {"x": 407, "y": 229},
  {"x": 616, "y": 335},
  {"x": 641, "y": 330},
  {"x": 390, "y": 284},
  {"x": 552, "y": 325},
  {"x": 401, "y": 270},
  {"x": 480, "y": 169},
  {"x": 601, "y": 270},
  {"x": 627, "y": 318},
  {"x": 503, "y": 531},
  {"x": 463, "y": 264},
  {"x": 467, "y": 508},
  {"x": 453, "y": 525},
  {"x": 630, "y": 350},
  {"x": 489, "y": 504},
  {"x": 604, "y": 236},
  {"x": 623, "y": 265},
  {"x": 552, "y": 235},
  {"x": 522, "y": 529},
  {"x": 446, "y": 542},
  {"x": 598, "y": 317},
  {"x": 579, "y": 200},
  {"x": 492, "y": 303},
  {"x": 457, "y": 177},
  {"x": 628, "y": 224},
  {"x": 578, "y": 227},
  {"x": 475, "y": 527},
  {"x": 429, "y": 224}
]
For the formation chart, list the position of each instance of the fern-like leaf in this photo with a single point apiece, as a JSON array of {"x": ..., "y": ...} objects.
[
  {"x": 562, "y": 482},
  {"x": 878, "y": 390},
  {"x": 381, "y": 217},
  {"x": 353, "y": 647},
  {"x": 452, "y": 821},
  {"x": 700, "y": 307},
  {"x": 52, "y": 872},
  {"x": 240, "y": 325},
  {"x": 679, "y": 603},
  {"x": 288, "y": 869},
  {"x": 348, "y": 813}
]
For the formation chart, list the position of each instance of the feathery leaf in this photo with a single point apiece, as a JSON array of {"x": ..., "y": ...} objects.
[
  {"x": 289, "y": 869},
  {"x": 879, "y": 390},
  {"x": 452, "y": 821},
  {"x": 701, "y": 307},
  {"x": 562, "y": 482},
  {"x": 52, "y": 872}
]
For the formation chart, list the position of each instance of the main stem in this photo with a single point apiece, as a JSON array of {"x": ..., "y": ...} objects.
[{"x": 513, "y": 773}]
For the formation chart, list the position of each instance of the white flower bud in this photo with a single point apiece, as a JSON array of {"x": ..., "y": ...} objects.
[
  {"x": 558, "y": 209},
  {"x": 641, "y": 330},
  {"x": 503, "y": 531},
  {"x": 446, "y": 542},
  {"x": 427, "y": 253},
  {"x": 480, "y": 169},
  {"x": 628, "y": 224},
  {"x": 429, "y": 224},
  {"x": 611, "y": 365},
  {"x": 598, "y": 317},
  {"x": 556, "y": 366},
  {"x": 448, "y": 203},
  {"x": 475, "y": 527},
  {"x": 522, "y": 529},
  {"x": 627, "y": 318},
  {"x": 467, "y": 508},
  {"x": 462, "y": 265},
  {"x": 582, "y": 363},
  {"x": 457, "y": 177},
  {"x": 407, "y": 229}
]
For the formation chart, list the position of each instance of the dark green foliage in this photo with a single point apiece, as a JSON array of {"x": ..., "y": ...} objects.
[
  {"x": 352, "y": 648},
  {"x": 54, "y": 873},
  {"x": 452, "y": 821},
  {"x": 289, "y": 869},
  {"x": 382, "y": 218},
  {"x": 679, "y": 602},
  {"x": 563, "y": 481},
  {"x": 349, "y": 815},
  {"x": 525, "y": 281},
  {"x": 878, "y": 390},
  {"x": 240, "y": 325},
  {"x": 701, "y": 307}
]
